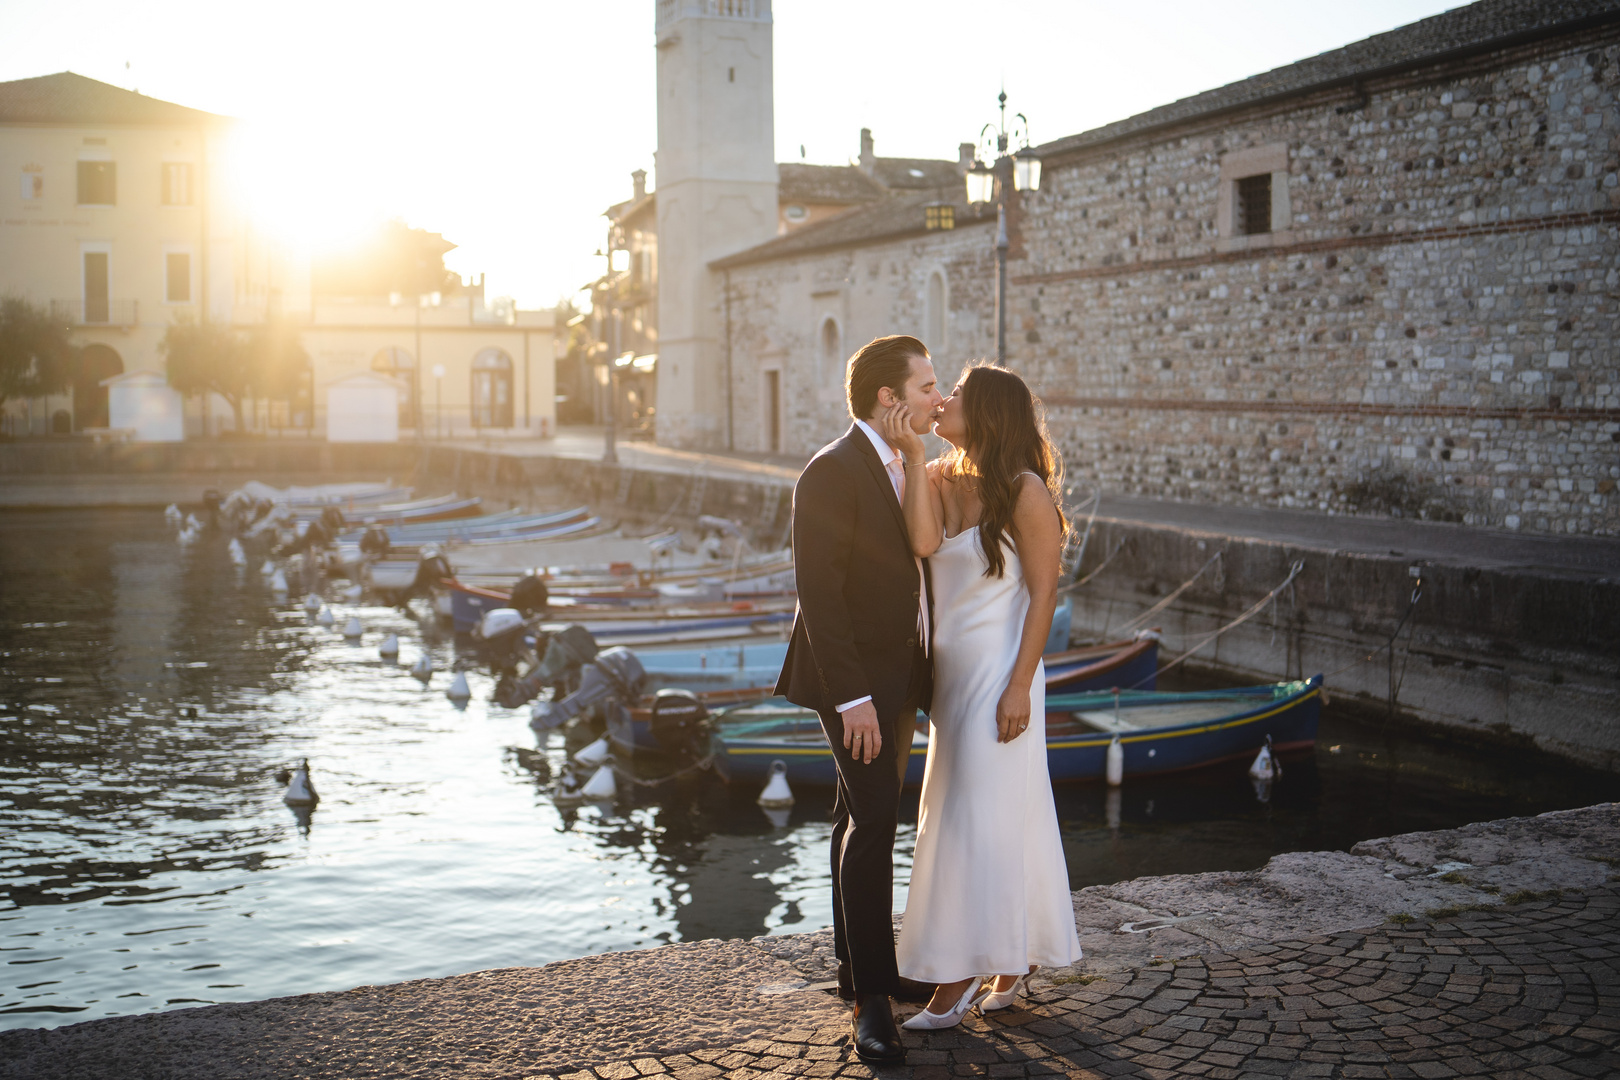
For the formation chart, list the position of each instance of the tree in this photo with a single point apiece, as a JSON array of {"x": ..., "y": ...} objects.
[
  {"x": 36, "y": 357},
  {"x": 267, "y": 362}
]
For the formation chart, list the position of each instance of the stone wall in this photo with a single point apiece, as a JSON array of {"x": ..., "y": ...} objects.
[
  {"x": 1430, "y": 330},
  {"x": 779, "y": 310}
]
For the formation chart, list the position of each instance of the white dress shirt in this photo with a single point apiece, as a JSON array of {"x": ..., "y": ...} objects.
[{"x": 894, "y": 464}]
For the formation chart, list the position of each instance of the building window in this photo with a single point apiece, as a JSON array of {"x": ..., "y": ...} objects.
[
  {"x": 795, "y": 213},
  {"x": 934, "y": 313},
  {"x": 773, "y": 412},
  {"x": 97, "y": 302},
  {"x": 492, "y": 389},
  {"x": 1254, "y": 204},
  {"x": 98, "y": 183},
  {"x": 33, "y": 184},
  {"x": 176, "y": 183},
  {"x": 177, "y": 269},
  {"x": 831, "y": 351}
]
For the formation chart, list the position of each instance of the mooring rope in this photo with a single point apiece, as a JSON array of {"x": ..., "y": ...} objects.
[
  {"x": 1294, "y": 572},
  {"x": 1168, "y": 600},
  {"x": 1095, "y": 499},
  {"x": 1076, "y": 585},
  {"x": 1411, "y": 606},
  {"x": 625, "y": 774}
]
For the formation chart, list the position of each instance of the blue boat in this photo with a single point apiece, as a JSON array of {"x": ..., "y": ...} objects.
[{"x": 1159, "y": 732}]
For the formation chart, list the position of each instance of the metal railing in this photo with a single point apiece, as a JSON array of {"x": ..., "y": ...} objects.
[{"x": 94, "y": 312}]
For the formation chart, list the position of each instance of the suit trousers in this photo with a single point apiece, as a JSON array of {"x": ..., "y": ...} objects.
[{"x": 865, "y": 813}]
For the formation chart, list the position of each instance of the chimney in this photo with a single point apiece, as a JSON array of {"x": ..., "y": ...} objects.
[
  {"x": 867, "y": 158},
  {"x": 639, "y": 179},
  {"x": 965, "y": 153}
]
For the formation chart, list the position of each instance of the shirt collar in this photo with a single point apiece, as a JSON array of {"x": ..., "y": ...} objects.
[{"x": 885, "y": 452}]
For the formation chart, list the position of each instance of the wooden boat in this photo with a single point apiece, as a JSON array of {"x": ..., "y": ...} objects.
[
  {"x": 1129, "y": 665},
  {"x": 424, "y": 512},
  {"x": 504, "y": 524},
  {"x": 746, "y": 621},
  {"x": 746, "y": 672},
  {"x": 1159, "y": 732}
]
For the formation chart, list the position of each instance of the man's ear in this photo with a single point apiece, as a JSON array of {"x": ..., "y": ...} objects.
[{"x": 889, "y": 404}]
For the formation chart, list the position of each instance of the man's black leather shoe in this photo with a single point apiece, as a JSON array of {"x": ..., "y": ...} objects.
[
  {"x": 877, "y": 1040},
  {"x": 917, "y": 993}
]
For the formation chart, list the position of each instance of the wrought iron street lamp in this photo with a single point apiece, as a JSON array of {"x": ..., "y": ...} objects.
[{"x": 1016, "y": 169}]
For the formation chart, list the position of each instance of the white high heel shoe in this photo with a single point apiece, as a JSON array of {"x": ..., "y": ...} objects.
[
  {"x": 927, "y": 1021},
  {"x": 1001, "y": 999}
]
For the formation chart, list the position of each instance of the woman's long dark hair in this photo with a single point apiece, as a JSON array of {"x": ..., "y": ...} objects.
[{"x": 1006, "y": 436}]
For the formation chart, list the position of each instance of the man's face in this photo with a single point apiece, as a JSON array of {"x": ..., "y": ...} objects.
[{"x": 921, "y": 392}]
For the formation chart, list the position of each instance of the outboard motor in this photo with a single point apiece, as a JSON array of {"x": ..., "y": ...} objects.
[
  {"x": 211, "y": 503},
  {"x": 498, "y": 640},
  {"x": 431, "y": 569},
  {"x": 332, "y": 520},
  {"x": 614, "y": 674},
  {"x": 567, "y": 651},
  {"x": 680, "y": 723},
  {"x": 374, "y": 542},
  {"x": 530, "y": 595}
]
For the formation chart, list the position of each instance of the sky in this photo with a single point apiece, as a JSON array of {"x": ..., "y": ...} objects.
[{"x": 510, "y": 125}]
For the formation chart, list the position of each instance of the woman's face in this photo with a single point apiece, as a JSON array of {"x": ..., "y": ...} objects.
[{"x": 952, "y": 424}]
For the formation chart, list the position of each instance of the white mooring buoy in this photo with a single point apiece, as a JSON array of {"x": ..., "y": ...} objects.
[
  {"x": 353, "y": 593},
  {"x": 1116, "y": 762},
  {"x": 601, "y": 786},
  {"x": 313, "y": 602},
  {"x": 389, "y": 649},
  {"x": 278, "y": 583},
  {"x": 300, "y": 790},
  {"x": 777, "y": 795},
  {"x": 594, "y": 754},
  {"x": 458, "y": 689},
  {"x": 423, "y": 668},
  {"x": 234, "y": 550},
  {"x": 172, "y": 515},
  {"x": 325, "y": 617},
  {"x": 352, "y": 629},
  {"x": 1265, "y": 765}
]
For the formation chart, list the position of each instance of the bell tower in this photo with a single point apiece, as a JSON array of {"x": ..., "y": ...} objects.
[{"x": 717, "y": 179}]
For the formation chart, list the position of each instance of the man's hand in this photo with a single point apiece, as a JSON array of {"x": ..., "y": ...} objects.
[
  {"x": 1012, "y": 714},
  {"x": 861, "y": 736}
]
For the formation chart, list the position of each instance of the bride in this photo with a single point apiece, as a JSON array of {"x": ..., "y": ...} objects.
[{"x": 989, "y": 896}]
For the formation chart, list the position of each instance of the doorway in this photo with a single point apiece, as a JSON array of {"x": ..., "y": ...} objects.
[{"x": 96, "y": 362}]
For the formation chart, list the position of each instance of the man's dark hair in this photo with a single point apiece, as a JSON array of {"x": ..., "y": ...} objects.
[{"x": 884, "y": 361}]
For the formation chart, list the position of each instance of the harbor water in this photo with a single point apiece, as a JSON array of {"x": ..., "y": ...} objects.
[{"x": 149, "y": 695}]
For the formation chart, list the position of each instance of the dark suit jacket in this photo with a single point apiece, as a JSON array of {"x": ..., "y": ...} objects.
[{"x": 855, "y": 631}]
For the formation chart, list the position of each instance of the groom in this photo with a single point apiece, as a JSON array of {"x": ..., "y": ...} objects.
[{"x": 859, "y": 657}]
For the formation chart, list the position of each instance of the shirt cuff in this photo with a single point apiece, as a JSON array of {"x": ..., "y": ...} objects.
[{"x": 848, "y": 705}]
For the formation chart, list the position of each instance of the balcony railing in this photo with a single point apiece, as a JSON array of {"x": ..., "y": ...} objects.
[{"x": 92, "y": 312}]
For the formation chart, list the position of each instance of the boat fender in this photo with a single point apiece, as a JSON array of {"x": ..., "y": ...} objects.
[
  {"x": 593, "y": 755},
  {"x": 458, "y": 689},
  {"x": 1265, "y": 765},
  {"x": 300, "y": 789},
  {"x": 1116, "y": 762},
  {"x": 601, "y": 786},
  {"x": 777, "y": 795}
]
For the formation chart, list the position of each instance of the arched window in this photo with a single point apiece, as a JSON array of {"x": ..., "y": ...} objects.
[
  {"x": 402, "y": 366},
  {"x": 934, "y": 313},
  {"x": 492, "y": 389},
  {"x": 831, "y": 367}
]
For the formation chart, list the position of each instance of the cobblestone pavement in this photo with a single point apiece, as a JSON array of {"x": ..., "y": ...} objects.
[{"x": 1532, "y": 990}]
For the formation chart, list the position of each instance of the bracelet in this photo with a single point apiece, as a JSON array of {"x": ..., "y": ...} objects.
[{"x": 910, "y": 464}]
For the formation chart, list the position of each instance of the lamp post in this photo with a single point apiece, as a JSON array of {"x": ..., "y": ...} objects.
[
  {"x": 438, "y": 401},
  {"x": 431, "y": 299},
  {"x": 990, "y": 183}
]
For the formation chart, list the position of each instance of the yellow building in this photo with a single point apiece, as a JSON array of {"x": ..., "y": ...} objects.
[{"x": 116, "y": 215}]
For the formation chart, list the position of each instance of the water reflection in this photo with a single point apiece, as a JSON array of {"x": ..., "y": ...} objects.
[{"x": 149, "y": 697}]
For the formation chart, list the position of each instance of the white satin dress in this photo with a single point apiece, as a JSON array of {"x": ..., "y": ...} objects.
[{"x": 989, "y": 886}]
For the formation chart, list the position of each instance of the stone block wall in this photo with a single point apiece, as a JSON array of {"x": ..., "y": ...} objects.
[
  {"x": 1430, "y": 330},
  {"x": 779, "y": 310}
]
